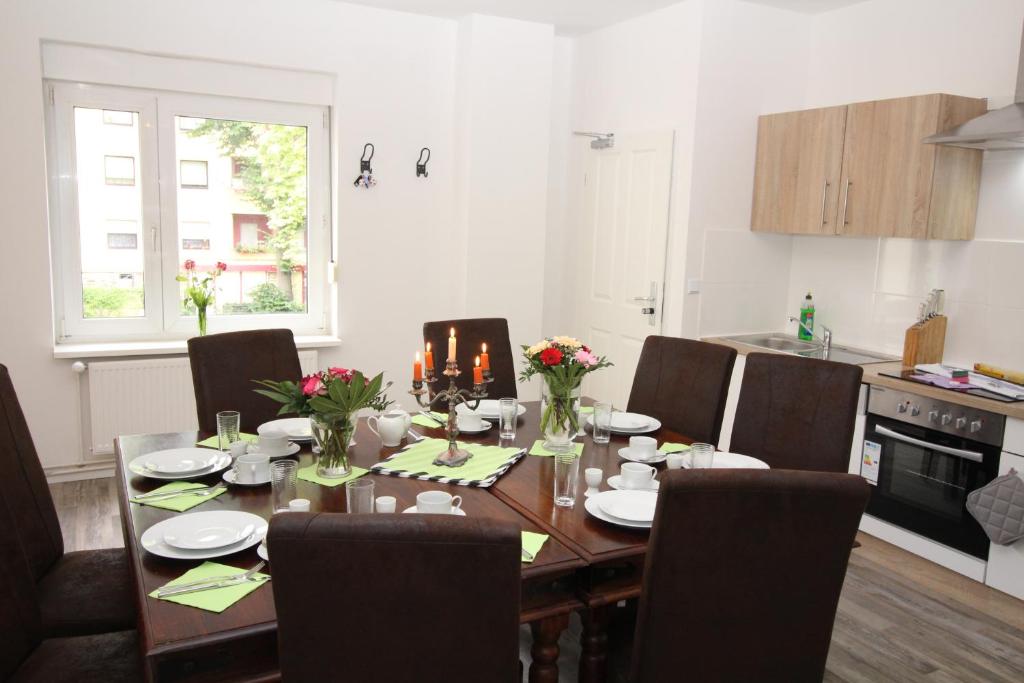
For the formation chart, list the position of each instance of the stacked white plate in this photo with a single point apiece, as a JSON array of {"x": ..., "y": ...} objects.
[
  {"x": 725, "y": 460},
  {"x": 202, "y": 535},
  {"x": 295, "y": 428},
  {"x": 630, "y": 423},
  {"x": 488, "y": 409},
  {"x": 633, "y": 509},
  {"x": 180, "y": 463}
]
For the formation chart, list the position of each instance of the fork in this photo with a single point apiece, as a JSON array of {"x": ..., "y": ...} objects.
[
  {"x": 208, "y": 491},
  {"x": 211, "y": 583},
  {"x": 415, "y": 436}
]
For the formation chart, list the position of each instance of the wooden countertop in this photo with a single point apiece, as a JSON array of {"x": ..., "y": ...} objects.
[{"x": 872, "y": 375}]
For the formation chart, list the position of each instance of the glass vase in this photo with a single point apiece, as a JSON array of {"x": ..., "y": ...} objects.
[
  {"x": 202, "y": 321},
  {"x": 332, "y": 435},
  {"x": 559, "y": 416}
]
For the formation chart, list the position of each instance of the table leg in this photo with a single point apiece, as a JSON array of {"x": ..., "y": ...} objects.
[
  {"x": 594, "y": 645},
  {"x": 544, "y": 651}
]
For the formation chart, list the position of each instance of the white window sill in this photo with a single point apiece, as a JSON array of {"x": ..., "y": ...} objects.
[{"x": 178, "y": 347}]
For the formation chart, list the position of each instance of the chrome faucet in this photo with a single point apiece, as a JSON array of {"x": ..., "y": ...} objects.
[{"x": 826, "y": 335}]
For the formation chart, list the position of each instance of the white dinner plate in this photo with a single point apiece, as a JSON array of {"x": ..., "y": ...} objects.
[
  {"x": 459, "y": 512},
  {"x": 292, "y": 449},
  {"x": 153, "y": 538},
  {"x": 591, "y": 506},
  {"x": 615, "y": 481},
  {"x": 626, "y": 454},
  {"x": 630, "y": 423},
  {"x": 632, "y": 506},
  {"x": 220, "y": 462},
  {"x": 229, "y": 477},
  {"x": 262, "y": 551},
  {"x": 488, "y": 409},
  {"x": 484, "y": 426},
  {"x": 295, "y": 428},
  {"x": 208, "y": 530},
  {"x": 725, "y": 460},
  {"x": 178, "y": 460}
]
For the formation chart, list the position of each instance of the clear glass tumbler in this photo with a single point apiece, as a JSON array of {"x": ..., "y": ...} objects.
[
  {"x": 229, "y": 423},
  {"x": 359, "y": 495},
  {"x": 702, "y": 456},
  {"x": 602, "y": 429},
  {"x": 508, "y": 416},
  {"x": 567, "y": 476},
  {"x": 282, "y": 484}
]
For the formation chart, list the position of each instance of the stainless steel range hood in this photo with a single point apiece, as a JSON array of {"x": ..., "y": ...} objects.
[{"x": 998, "y": 129}]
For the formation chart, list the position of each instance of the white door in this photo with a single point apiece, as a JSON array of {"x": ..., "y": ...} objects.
[{"x": 622, "y": 269}]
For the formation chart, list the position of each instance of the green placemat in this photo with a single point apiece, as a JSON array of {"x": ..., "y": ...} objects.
[
  {"x": 215, "y": 599},
  {"x": 309, "y": 474},
  {"x": 532, "y": 543},
  {"x": 424, "y": 421},
  {"x": 673, "y": 447},
  {"x": 214, "y": 441},
  {"x": 179, "y": 503},
  {"x": 538, "y": 448},
  {"x": 483, "y": 469},
  {"x": 586, "y": 410}
]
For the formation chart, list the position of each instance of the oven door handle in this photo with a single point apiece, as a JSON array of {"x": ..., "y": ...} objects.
[{"x": 969, "y": 455}]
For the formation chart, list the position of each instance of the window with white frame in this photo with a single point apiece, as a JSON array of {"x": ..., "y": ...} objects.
[{"x": 128, "y": 217}]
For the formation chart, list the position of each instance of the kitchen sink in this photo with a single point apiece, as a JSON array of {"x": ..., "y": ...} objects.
[{"x": 776, "y": 341}]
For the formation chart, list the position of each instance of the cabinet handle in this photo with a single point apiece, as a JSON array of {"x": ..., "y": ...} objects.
[
  {"x": 824, "y": 197},
  {"x": 846, "y": 202}
]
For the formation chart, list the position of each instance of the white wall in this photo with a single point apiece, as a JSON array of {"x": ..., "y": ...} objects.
[{"x": 868, "y": 290}]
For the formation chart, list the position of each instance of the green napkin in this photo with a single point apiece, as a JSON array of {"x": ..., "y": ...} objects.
[
  {"x": 309, "y": 474},
  {"x": 179, "y": 503},
  {"x": 538, "y": 448},
  {"x": 419, "y": 458},
  {"x": 215, "y": 599},
  {"x": 532, "y": 543},
  {"x": 586, "y": 410},
  {"x": 424, "y": 421},
  {"x": 214, "y": 441},
  {"x": 673, "y": 447}
]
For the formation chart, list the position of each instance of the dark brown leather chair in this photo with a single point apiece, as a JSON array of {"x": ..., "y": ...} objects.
[
  {"x": 472, "y": 332},
  {"x": 26, "y": 654},
  {"x": 683, "y": 383},
  {"x": 797, "y": 413},
  {"x": 743, "y": 574},
  {"x": 79, "y": 592},
  {"x": 224, "y": 365},
  {"x": 396, "y": 597}
]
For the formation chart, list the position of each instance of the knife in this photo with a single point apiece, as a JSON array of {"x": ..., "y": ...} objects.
[
  {"x": 211, "y": 583},
  {"x": 151, "y": 496},
  {"x": 433, "y": 417}
]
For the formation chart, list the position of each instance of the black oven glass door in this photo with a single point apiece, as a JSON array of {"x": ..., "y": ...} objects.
[{"x": 924, "y": 477}]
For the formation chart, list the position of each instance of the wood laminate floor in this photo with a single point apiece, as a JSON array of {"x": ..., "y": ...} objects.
[{"x": 901, "y": 618}]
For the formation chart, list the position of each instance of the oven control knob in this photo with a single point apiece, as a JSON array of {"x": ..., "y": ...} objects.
[
  {"x": 946, "y": 419},
  {"x": 961, "y": 422},
  {"x": 933, "y": 416},
  {"x": 915, "y": 410},
  {"x": 975, "y": 426},
  {"x": 901, "y": 407}
]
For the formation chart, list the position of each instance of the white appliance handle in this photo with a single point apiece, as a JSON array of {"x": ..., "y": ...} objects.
[{"x": 959, "y": 453}]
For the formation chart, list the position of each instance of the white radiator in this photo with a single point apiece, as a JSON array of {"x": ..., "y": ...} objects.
[{"x": 146, "y": 397}]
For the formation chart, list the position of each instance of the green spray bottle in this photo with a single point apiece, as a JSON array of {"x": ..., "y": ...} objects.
[{"x": 806, "y": 331}]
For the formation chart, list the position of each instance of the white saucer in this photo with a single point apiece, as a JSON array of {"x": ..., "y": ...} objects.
[
  {"x": 153, "y": 537},
  {"x": 292, "y": 449},
  {"x": 615, "y": 481},
  {"x": 484, "y": 426},
  {"x": 137, "y": 466},
  {"x": 295, "y": 428},
  {"x": 591, "y": 506},
  {"x": 627, "y": 455},
  {"x": 459, "y": 512},
  {"x": 229, "y": 477},
  {"x": 262, "y": 551},
  {"x": 631, "y": 506}
]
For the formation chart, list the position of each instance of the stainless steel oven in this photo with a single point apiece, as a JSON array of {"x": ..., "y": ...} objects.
[{"x": 924, "y": 456}]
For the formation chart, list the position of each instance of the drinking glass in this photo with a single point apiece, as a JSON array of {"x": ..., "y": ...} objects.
[
  {"x": 228, "y": 424},
  {"x": 359, "y": 495},
  {"x": 602, "y": 422},
  {"x": 508, "y": 415},
  {"x": 567, "y": 475},
  {"x": 702, "y": 456},
  {"x": 282, "y": 484}
]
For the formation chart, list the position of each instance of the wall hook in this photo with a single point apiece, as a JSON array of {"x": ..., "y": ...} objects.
[
  {"x": 421, "y": 163},
  {"x": 365, "y": 177}
]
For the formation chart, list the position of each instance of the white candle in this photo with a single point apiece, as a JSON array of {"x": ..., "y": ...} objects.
[{"x": 451, "y": 346}]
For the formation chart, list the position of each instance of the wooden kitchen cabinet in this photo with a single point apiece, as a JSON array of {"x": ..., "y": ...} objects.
[{"x": 888, "y": 183}]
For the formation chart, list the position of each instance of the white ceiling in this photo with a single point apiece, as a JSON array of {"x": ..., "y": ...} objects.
[{"x": 571, "y": 16}]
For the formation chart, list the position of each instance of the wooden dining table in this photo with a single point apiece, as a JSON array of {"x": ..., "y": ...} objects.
[{"x": 586, "y": 566}]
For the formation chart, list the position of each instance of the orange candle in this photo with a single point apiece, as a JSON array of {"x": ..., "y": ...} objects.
[
  {"x": 451, "y": 346},
  {"x": 429, "y": 358},
  {"x": 485, "y": 358},
  {"x": 417, "y": 369},
  {"x": 478, "y": 372}
]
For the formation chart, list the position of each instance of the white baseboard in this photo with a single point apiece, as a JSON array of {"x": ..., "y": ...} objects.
[
  {"x": 91, "y": 470},
  {"x": 961, "y": 563}
]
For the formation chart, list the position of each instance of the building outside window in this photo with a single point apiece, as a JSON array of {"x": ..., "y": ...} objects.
[
  {"x": 119, "y": 170},
  {"x": 193, "y": 174}
]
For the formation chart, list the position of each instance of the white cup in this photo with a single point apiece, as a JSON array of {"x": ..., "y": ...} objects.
[
  {"x": 643, "y": 447},
  {"x": 272, "y": 442},
  {"x": 675, "y": 460},
  {"x": 469, "y": 420},
  {"x": 238, "y": 448},
  {"x": 252, "y": 468},
  {"x": 386, "y": 503},
  {"x": 438, "y": 503},
  {"x": 391, "y": 427},
  {"x": 298, "y": 505},
  {"x": 635, "y": 475}
]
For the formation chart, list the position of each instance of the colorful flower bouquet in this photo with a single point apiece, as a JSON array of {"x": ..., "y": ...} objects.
[
  {"x": 332, "y": 400},
  {"x": 201, "y": 290},
  {"x": 562, "y": 362}
]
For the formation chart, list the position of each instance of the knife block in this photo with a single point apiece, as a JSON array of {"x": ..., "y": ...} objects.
[{"x": 925, "y": 342}]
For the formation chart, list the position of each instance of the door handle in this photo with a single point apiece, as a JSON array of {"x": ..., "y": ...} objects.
[
  {"x": 824, "y": 198},
  {"x": 650, "y": 303},
  {"x": 846, "y": 203},
  {"x": 956, "y": 452}
]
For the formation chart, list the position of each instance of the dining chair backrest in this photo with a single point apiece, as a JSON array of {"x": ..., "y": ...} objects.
[
  {"x": 743, "y": 574},
  {"x": 396, "y": 598},
  {"x": 24, "y": 486},
  {"x": 20, "y": 629},
  {"x": 684, "y": 384},
  {"x": 225, "y": 365},
  {"x": 472, "y": 332},
  {"x": 797, "y": 413}
]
